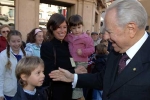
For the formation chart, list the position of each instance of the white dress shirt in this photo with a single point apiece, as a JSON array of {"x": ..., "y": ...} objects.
[{"x": 130, "y": 52}]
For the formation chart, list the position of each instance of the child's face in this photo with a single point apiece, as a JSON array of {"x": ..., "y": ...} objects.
[
  {"x": 36, "y": 78},
  {"x": 15, "y": 43},
  {"x": 77, "y": 30},
  {"x": 39, "y": 38}
]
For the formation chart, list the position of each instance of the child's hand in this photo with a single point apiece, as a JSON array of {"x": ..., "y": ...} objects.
[{"x": 79, "y": 52}]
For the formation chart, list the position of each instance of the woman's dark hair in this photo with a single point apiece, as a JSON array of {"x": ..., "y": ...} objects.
[
  {"x": 31, "y": 36},
  {"x": 54, "y": 22},
  {"x": 75, "y": 20}
]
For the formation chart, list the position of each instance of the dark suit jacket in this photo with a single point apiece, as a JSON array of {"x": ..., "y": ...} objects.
[{"x": 130, "y": 84}]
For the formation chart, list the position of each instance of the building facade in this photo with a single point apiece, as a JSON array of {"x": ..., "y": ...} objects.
[
  {"x": 27, "y": 13},
  {"x": 24, "y": 15}
]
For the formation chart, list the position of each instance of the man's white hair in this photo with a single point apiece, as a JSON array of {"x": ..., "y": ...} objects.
[{"x": 129, "y": 11}]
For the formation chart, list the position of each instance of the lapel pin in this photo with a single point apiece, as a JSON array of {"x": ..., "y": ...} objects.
[{"x": 134, "y": 69}]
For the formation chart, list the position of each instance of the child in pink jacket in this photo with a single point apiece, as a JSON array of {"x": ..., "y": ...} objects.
[{"x": 80, "y": 46}]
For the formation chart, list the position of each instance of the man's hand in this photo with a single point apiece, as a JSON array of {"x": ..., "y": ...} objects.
[
  {"x": 79, "y": 52},
  {"x": 62, "y": 75},
  {"x": 80, "y": 70}
]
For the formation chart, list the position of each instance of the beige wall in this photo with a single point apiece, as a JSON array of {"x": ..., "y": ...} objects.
[
  {"x": 87, "y": 9},
  {"x": 27, "y": 16}
]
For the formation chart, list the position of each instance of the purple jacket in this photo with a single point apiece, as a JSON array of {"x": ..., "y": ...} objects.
[{"x": 83, "y": 42}]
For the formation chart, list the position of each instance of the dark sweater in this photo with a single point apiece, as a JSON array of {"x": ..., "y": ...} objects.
[
  {"x": 21, "y": 95},
  {"x": 100, "y": 63}
]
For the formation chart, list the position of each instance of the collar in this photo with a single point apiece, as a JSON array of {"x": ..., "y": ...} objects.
[
  {"x": 133, "y": 50},
  {"x": 30, "y": 92},
  {"x": 20, "y": 52}
]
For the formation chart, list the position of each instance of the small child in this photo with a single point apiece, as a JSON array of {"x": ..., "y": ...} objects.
[
  {"x": 80, "y": 46},
  {"x": 100, "y": 65},
  {"x": 29, "y": 72},
  {"x": 34, "y": 41}
]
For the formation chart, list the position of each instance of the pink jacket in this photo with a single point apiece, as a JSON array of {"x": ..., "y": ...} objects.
[{"x": 83, "y": 42}]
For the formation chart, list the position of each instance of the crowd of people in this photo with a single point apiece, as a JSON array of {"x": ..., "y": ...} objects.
[{"x": 67, "y": 63}]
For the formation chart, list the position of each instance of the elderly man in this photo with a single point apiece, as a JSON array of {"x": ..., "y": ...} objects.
[{"x": 127, "y": 74}]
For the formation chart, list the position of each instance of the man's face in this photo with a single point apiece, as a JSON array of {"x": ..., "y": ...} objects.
[{"x": 118, "y": 36}]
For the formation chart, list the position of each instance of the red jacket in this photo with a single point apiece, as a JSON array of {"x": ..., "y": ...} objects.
[{"x": 3, "y": 43}]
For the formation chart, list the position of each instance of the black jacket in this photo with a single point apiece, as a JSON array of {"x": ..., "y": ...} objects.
[
  {"x": 21, "y": 95},
  {"x": 60, "y": 90},
  {"x": 100, "y": 63}
]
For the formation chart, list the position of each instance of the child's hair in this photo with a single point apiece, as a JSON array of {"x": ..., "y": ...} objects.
[
  {"x": 104, "y": 42},
  {"x": 10, "y": 34},
  {"x": 32, "y": 34},
  {"x": 25, "y": 66},
  {"x": 101, "y": 49},
  {"x": 75, "y": 20}
]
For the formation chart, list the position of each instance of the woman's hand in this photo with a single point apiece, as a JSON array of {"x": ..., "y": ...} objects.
[
  {"x": 80, "y": 70},
  {"x": 1, "y": 98}
]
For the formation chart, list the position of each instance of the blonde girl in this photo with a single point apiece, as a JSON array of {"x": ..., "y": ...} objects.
[{"x": 9, "y": 58}]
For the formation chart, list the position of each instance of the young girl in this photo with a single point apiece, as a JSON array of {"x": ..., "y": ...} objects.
[
  {"x": 80, "y": 46},
  {"x": 34, "y": 41},
  {"x": 29, "y": 73},
  {"x": 9, "y": 58}
]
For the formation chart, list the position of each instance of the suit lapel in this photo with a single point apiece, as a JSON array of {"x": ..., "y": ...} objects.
[
  {"x": 134, "y": 68},
  {"x": 110, "y": 72}
]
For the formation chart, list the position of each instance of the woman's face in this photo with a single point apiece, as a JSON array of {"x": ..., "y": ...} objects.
[
  {"x": 61, "y": 31},
  {"x": 5, "y": 31}
]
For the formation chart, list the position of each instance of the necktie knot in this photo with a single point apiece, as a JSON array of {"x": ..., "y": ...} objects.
[{"x": 122, "y": 62}]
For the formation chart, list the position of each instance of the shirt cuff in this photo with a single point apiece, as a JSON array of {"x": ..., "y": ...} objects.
[{"x": 74, "y": 83}]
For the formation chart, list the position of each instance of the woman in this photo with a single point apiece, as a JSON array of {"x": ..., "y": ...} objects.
[
  {"x": 55, "y": 54},
  {"x": 34, "y": 41},
  {"x": 4, "y": 30}
]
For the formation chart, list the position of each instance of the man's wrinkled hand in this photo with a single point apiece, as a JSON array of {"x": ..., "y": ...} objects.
[{"x": 61, "y": 75}]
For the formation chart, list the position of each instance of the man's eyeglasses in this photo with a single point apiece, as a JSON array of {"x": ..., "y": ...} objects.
[{"x": 5, "y": 31}]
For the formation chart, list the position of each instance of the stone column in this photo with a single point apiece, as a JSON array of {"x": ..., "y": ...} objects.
[{"x": 26, "y": 16}]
